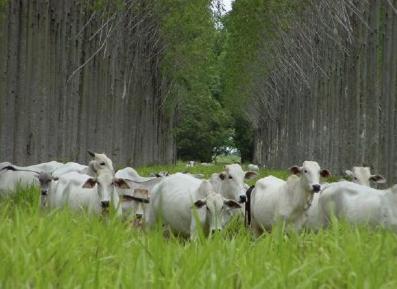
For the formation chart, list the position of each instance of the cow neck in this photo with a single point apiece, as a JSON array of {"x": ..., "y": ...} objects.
[{"x": 299, "y": 198}]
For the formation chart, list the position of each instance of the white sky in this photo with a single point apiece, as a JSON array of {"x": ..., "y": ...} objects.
[{"x": 228, "y": 4}]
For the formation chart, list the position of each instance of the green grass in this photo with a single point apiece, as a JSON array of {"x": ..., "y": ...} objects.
[{"x": 60, "y": 249}]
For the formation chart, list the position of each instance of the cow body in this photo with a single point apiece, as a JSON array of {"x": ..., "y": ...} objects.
[
  {"x": 71, "y": 167},
  {"x": 10, "y": 180},
  {"x": 47, "y": 167},
  {"x": 360, "y": 204},
  {"x": 275, "y": 200},
  {"x": 131, "y": 174},
  {"x": 253, "y": 167},
  {"x": 79, "y": 191},
  {"x": 360, "y": 175},
  {"x": 179, "y": 197}
]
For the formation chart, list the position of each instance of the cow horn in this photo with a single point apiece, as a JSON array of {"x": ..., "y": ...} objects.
[{"x": 91, "y": 153}]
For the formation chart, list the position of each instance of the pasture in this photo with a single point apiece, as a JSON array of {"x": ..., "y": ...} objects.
[{"x": 61, "y": 249}]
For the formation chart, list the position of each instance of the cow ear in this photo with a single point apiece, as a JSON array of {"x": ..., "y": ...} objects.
[
  {"x": 349, "y": 173},
  {"x": 295, "y": 170},
  {"x": 378, "y": 179},
  {"x": 250, "y": 175},
  {"x": 121, "y": 183},
  {"x": 222, "y": 175},
  {"x": 232, "y": 204},
  {"x": 325, "y": 173},
  {"x": 89, "y": 184},
  {"x": 200, "y": 203},
  {"x": 91, "y": 153}
]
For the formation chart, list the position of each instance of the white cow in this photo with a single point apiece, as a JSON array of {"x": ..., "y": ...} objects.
[
  {"x": 45, "y": 181},
  {"x": 135, "y": 200},
  {"x": 360, "y": 204},
  {"x": 47, "y": 167},
  {"x": 131, "y": 174},
  {"x": 100, "y": 162},
  {"x": 10, "y": 180},
  {"x": 71, "y": 167},
  {"x": 363, "y": 176},
  {"x": 135, "y": 205},
  {"x": 179, "y": 200},
  {"x": 190, "y": 164},
  {"x": 359, "y": 175},
  {"x": 4, "y": 164},
  {"x": 253, "y": 167},
  {"x": 230, "y": 183},
  {"x": 275, "y": 200},
  {"x": 78, "y": 191}
]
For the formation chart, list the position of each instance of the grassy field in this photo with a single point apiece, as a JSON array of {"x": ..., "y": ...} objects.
[{"x": 63, "y": 250}]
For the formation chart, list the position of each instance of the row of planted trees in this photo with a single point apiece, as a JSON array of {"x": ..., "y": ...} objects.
[
  {"x": 137, "y": 79},
  {"x": 317, "y": 79},
  {"x": 152, "y": 81}
]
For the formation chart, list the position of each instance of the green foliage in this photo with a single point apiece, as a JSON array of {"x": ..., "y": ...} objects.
[
  {"x": 3, "y": 7},
  {"x": 205, "y": 127},
  {"x": 191, "y": 63},
  {"x": 251, "y": 29},
  {"x": 244, "y": 138},
  {"x": 243, "y": 27},
  {"x": 56, "y": 249},
  {"x": 187, "y": 30}
]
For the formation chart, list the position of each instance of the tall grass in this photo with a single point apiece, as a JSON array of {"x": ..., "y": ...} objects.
[{"x": 60, "y": 249}]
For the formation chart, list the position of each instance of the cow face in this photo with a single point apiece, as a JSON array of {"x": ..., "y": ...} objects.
[
  {"x": 232, "y": 182},
  {"x": 45, "y": 180},
  {"x": 213, "y": 208},
  {"x": 105, "y": 188},
  {"x": 363, "y": 176},
  {"x": 137, "y": 203},
  {"x": 216, "y": 208},
  {"x": 310, "y": 174},
  {"x": 100, "y": 162}
]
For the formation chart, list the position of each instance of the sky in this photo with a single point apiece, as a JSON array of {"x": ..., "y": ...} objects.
[{"x": 228, "y": 4}]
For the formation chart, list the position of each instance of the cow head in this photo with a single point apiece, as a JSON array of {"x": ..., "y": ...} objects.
[
  {"x": 137, "y": 203},
  {"x": 100, "y": 162},
  {"x": 213, "y": 208},
  {"x": 105, "y": 187},
  {"x": 310, "y": 173},
  {"x": 363, "y": 176},
  {"x": 45, "y": 180},
  {"x": 232, "y": 184}
]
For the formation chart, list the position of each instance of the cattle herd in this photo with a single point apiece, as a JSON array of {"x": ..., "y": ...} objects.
[{"x": 182, "y": 201}]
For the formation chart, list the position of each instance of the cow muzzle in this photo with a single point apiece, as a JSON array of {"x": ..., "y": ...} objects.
[
  {"x": 105, "y": 204},
  {"x": 316, "y": 188}
]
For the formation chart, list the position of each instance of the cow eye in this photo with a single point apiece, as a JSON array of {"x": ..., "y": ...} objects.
[
  {"x": 305, "y": 171},
  {"x": 102, "y": 163},
  {"x": 230, "y": 177}
]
